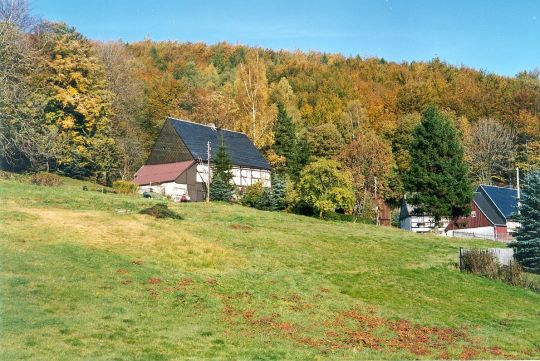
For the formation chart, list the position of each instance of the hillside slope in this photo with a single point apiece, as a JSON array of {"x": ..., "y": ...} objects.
[{"x": 84, "y": 276}]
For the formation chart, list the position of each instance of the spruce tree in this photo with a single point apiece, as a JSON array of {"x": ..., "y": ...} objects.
[
  {"x": 437, "y": 181},
  {"x": 279, "y": 193},
  {"x": 285, "y": 143},
  {"x": 527, "y": 244},
  {"x": 222, "y": 187}
]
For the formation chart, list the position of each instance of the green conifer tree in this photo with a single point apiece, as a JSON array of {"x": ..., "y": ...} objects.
[
  {"x": 279, "y": 193},
  {"x": 285, "y": 143},
  {"x": 527, "y": 244},
  {"x": 222, "y": 187},
  {"x": 437, "y": 181}
]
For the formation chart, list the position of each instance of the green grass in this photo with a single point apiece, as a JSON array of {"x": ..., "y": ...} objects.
[{"x": 84, "y": 276}]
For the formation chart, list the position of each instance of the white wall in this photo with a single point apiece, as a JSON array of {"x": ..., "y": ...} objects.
[
  {"x": 478, "y": 232},
  {"x": 171, "y": 189},
  {"x": 242, "y": 176},
  {"x": 422, "y": 224}
]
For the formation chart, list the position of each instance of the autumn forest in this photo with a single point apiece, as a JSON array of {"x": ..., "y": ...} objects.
[{"x": 92, "y": 110}]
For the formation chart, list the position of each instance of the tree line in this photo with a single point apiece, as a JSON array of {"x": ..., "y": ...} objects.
[{"x": 92, "y": 110}]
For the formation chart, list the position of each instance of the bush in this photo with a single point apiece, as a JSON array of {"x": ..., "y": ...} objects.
[
  {"x": 125, "y": 187},
  {"x": 484, "y": 263},
  {"x": 46, "y": 179},
  {"x": 160, "y": 210},
  {"x": 480, "y": 262},
  {"x": 252, "y": 195}
]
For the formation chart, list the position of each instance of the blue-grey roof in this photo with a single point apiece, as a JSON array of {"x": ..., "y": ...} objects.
[
  {"x": 504, "y": 199},
  {"x": 241, "y": 150},
  {"x": 488, "y": 208}
]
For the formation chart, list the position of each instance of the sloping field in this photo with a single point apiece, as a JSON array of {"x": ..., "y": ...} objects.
[{"x": 84, "y": 276}]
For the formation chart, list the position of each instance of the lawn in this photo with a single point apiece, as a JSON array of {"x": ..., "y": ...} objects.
[{"x": 84, "y": 276}]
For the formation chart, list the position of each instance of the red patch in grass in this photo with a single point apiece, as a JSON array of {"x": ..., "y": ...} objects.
[
  {"x": 185, "y": 282},
  {"x": 360, "y": 328},
  {"x": 468, "y": 353},
  {"x": 243, "y": 227},
  {"x": 154, "y": 280},
  {"x": 211, "y": 281}
]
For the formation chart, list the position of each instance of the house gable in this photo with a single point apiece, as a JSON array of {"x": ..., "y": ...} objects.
[{"x": 169, "y": 147}]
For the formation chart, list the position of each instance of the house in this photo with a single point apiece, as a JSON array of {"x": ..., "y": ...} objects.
[
  {"x": 492, "y": 212},
  {"x": 178, "y": 161},
  {"x": 410, "y": 220}
]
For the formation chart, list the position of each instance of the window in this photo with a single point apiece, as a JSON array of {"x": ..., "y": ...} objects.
[{"x": 473, "y": 214}]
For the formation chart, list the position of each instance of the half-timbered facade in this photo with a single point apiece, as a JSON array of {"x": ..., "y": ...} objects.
[
  {"x": 411, "y": 220},
  {"x": 178, "y": 161}
]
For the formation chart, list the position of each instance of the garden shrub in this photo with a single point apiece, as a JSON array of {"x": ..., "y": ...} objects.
[
  {"x": 125, "y": 187},
  {"x": 484, "y": 263},
  {"x": 480, "y": 262},
  {"x": 161, "y": 210},
  {"x": 46, "y": 179},
  {"x": 252, "y": 195}
]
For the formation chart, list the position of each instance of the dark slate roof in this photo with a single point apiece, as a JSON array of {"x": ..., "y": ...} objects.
[
  {"x": 241, "y": 150},
  {"x": 504, "y": 199},
  {"x": 488, "y": 208}
]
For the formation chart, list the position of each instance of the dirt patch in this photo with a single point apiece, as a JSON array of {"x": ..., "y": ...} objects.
[
  {"x": 154, "y": 280},
  {"x": 185, "y": 282},
  {"x": 360, "y": 328},
  {"x": 211, "y": 281},
  {"x": 137, "y": 262},
  {"x": 241, "y": 227},
  {"x": 122, "y": 270}
]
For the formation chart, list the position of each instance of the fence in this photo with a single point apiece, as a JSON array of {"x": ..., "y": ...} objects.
[
  {"x": 462, "y": 234},
  {"x": 505, "y": 256}
]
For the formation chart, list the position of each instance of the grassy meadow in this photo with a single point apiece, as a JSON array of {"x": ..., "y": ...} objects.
[{"x": 84, "y": 276}]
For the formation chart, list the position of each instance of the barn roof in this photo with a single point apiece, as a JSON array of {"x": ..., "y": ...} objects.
[
  {"x": 160, "y": 173},
  {"x": 504, "y": 199},
  {"x": 489, "y": 210},
  {"x": 241, "y": 150}
]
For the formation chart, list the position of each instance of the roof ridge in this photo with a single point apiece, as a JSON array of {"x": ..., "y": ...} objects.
[
  {"x": 205, "y": 125},
  {"x": 510, "y": 187}
]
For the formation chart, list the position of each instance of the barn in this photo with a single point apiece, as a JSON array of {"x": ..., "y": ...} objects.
[
  {"x": 492, "y": 215},
  {"x": 178, "y": 163}
]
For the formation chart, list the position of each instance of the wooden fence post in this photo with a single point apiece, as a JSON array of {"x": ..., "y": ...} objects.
[{"x": 460, "y": 259}]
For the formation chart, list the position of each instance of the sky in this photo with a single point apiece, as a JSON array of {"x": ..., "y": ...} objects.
[{"x": 491, "y": 35}]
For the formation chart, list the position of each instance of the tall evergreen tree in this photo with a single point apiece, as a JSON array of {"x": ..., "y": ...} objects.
[
  {"x": 222, "y": 187},
  {"x": 285, "y": 144},
  {"x": 527, "y": 244},
  {"x": 437, "y": 181}
]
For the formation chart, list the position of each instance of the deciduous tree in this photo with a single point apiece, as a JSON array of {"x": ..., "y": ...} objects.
[
  {"x": 492, "y": 150},
  {"x": 326, "y": 187}
]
